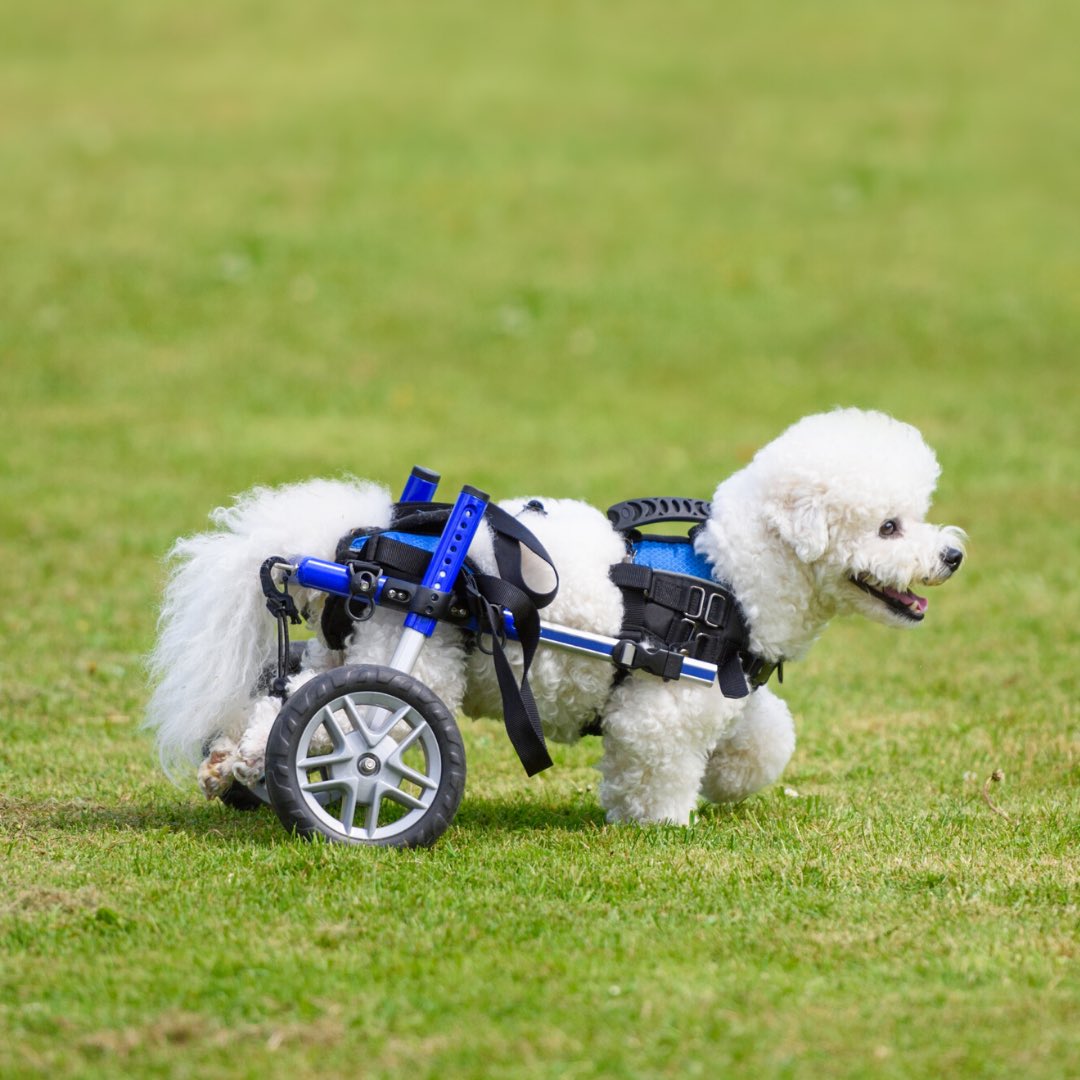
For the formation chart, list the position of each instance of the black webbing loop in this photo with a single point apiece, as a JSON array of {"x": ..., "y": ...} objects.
[
  {"x": 509, "y": 535},
  {"x": 730, "y": 676},
  {"x": 404, "y": 559},
  {"x": 510, "y": 591},
  {"x": 520, "y": 715}
]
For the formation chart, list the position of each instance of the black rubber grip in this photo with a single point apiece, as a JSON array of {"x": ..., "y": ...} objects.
[{"x": 637, "y": 512}]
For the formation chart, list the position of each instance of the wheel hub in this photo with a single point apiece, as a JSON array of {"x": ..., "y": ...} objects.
[{"x": 368, "y": 765}]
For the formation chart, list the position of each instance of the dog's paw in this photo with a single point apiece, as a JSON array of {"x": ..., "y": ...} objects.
[
  {"x": 249, "y": 770},
  {"x": 216, "y": 770}
]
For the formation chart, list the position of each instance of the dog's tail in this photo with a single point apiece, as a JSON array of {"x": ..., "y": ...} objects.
[{"x": 215, "y": 635}]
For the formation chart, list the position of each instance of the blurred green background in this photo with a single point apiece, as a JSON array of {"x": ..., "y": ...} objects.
[{"x": 580, "y": 249}]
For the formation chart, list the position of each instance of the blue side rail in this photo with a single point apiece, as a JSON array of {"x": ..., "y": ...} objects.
[
  {"x": 447, "y": 561},
  {"x": 335, "y": 578}
]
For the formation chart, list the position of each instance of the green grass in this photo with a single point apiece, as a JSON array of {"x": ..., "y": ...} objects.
[{"x": 579, "y": 249}]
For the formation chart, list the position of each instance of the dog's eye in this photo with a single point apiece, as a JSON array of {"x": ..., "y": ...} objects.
[{"x": 889, "y": 528}]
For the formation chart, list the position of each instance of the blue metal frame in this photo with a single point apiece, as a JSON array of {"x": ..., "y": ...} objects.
[
  {"x": 325, "y": 576},
  {"x": 447, "y": 561},
  {"x": 449, "y": 556},
  {"x": 421, "y": 485}
]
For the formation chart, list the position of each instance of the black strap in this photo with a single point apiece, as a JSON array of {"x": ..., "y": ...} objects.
[
  {"x": 668, "y": 615},
  {"x": 730, "y": 676},
  {"x": 510, "y": 591},
  {"x": 509, "y": 535},
  {"x": 520, "y": 715},
  {"x": 486, "y": 596},
  {"x": 282, "y": 606},
  {"x": 393, "y": 554}
]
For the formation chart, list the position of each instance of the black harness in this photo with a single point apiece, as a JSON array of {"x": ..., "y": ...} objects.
[{"x": 670, "y": 614}]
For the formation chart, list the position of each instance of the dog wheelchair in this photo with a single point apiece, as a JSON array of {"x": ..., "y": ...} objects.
[{"x": 368, "y": 754}]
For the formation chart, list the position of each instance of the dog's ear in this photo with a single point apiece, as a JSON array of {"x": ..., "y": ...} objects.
[{"x": 798, "y": 514}]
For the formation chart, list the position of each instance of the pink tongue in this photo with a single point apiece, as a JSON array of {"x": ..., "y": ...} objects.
[{"x": 910, "y": 599}]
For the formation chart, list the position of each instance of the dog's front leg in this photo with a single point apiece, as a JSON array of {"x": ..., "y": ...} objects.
[
  {"x": 656, "y": 742},
  {"x": 753, "y": 751}
]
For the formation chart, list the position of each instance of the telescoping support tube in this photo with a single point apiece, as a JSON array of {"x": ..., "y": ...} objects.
[
  {"x": 442, "y": 572},
  {"x": 330, "y": 577},
  {"x": 421, "y": 485}
]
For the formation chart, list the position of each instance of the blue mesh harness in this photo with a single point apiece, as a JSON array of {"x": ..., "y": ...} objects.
[
  {"x": 673, "y": 607},
  {"x": 678, "y": 557}
]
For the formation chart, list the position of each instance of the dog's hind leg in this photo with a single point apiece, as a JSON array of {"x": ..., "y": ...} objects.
[
  {"x": 753, "y": 752},
  {"x": 249, "y": 765},
  {"x": 656, "y": 742},
  {"x": 215, "y": 770}
]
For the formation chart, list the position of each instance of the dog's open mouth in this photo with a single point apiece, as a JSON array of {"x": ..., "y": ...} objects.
[{"x": 908, "y": 604}]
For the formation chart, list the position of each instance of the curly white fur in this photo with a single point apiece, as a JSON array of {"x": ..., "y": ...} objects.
[
  {"x": 215, "y": 636},
  {"x": 827, "y": 519}
]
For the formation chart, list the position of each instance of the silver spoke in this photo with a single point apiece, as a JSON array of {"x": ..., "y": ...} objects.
[
  {"x": 371, "y": 822},
  {"x": 339, "y": 784},
  {"x": 409, "y": 739},
  {"x": 330, "y": 722},
  {"x": 404, "y": 798},
  {"x": 414, "y": 777},
  {"x": 358, "y": 721},
  {"x": 324, "y": 760},
  {"x": 348, "y": 809},
  {"x": 399, "y": 715}
]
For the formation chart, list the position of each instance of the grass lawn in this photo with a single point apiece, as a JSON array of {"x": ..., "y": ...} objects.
[{"x": 581, "y": 249}]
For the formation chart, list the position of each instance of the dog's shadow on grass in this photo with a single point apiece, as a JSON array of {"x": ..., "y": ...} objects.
[
  {"x": 83, "y": 816},
  {"x": 477, "y": 816},
  {"x": 480, "y": 815}
]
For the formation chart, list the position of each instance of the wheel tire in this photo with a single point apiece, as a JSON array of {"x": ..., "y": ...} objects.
[{"x": 338, "y": 750}]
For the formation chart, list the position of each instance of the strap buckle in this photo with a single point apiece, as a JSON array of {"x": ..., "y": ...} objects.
[
  {"x": 695, "y": 602},
  {"x": 716, "y": 612},
  {"x": 643, "y": 656},
  {"x": 758, "y": 670}
]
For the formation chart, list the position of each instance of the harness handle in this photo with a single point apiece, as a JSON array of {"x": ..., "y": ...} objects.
[{"x": 634, "y": 513}]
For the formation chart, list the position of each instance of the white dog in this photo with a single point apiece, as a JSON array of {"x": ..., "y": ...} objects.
[{"x": 826, "y": 519}]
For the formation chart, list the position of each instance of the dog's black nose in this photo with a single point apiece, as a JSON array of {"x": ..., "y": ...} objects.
[{"x": 952, "y": 558}]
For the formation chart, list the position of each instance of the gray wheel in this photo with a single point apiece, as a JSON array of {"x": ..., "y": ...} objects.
[{"x": 365, "y": 755}]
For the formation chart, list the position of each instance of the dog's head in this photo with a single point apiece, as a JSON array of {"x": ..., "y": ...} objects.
[{"x": 846, "y": 493}]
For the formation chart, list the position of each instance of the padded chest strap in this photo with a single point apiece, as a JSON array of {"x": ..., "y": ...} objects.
[{"x": 668, "y": 616}]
